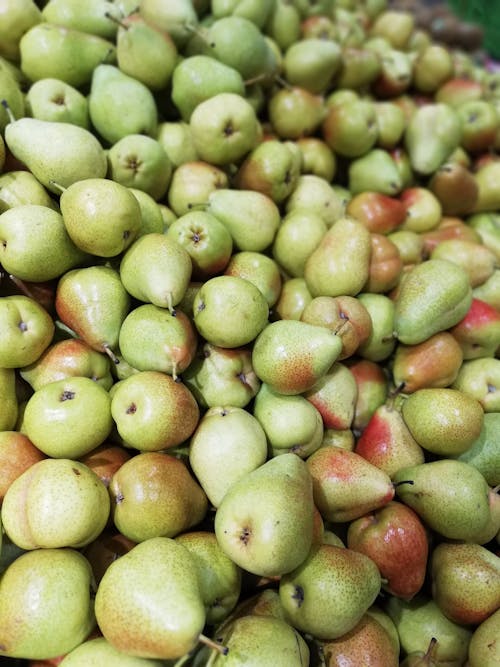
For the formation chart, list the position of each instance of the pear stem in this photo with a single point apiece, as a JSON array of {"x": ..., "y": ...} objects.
[
  {"x": 430, "y": 649},
  {"x": 110, "y": 353},
  {"x": 8, "y": 110},
  {"x": 110, "y": 16},
  {"x": 403, "y": 481},
  {"x": 338, "y": 330},
  {"x": 57, "y": 185},
  {"x": 196, "y": 31},
  {"x": 223, "y": 650}
]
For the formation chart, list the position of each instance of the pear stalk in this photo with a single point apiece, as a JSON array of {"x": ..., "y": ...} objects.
[{"x": 223, "y": 650}]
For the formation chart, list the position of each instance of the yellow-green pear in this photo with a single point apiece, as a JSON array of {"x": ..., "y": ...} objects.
[
  {"x": 148, "y": 603},
  {"x": 20, "y": 187},
  {"x": 93, "y": 16},
  {"x": 484, "y": 647},
  {"x": 13, "y": 99},
  {"x": 46, "y": 606},
  {"x": 98, "y": 651},
  {"x": 9, "y": 405},
  {"x": 18, "y": 16}
]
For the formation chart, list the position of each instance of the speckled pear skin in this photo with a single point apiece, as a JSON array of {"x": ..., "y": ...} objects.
[
  {"x": 484, "y": 647},
  {"x": 330, "y": 591},
  {"x": 162, "y": 614},
  {"x": 45, "y": 604},
  {"x": 433, "y": 296},
  {"x": 435, "y": 490}
]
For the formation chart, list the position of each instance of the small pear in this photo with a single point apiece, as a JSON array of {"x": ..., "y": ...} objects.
[
  {"x": 375, "y": 171},
  {"x": 55, "y": 100},
  {"x": 26, "y": 330}
]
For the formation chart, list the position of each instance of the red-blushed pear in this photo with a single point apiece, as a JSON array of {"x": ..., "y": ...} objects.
[
  {"x": 68, "y": 358},
  {"x": 191, "y": 184},
  {"x": 219, "y": 375},
  {"x": 291, "y": 356},
  {"x": 433, "y": 363},
  {"x": 104, "y": 550},
  {"x": 318, "y": 25},
  {"x": 213, "y": 445},
  {"x": 489, "y": 291},
  {"x": 327, "y": 595},
  {"x": 465, "y": 582},
  {"x": 449, "y": 227},
  {"x": 154, "y": 494},
  {"x": 292, "y": 300},
  {"x": 260, "y": 269},
  {"x": 345, "y": 485},
  {"x": 295, "y": 112},
  {"x": 386, "y": 441},
  {"x": 350, "y": 128},
  {"x": 458, "y": 90},
  {"x": 298, "y": 235},
  {"x": 480, "y": 378},
  {"x": 478, "y": 261},
  {"x": 367, "y": 643},
  {"x": 105, "y": 460},
  {"x": 373, "y": 387},
  {"x": 478, "y": 333},
  {"x": 378, "y": 212},
  {"x": 265, "y": 520},
  {"x": 395, "y": 538},
  {"x": 291, "y": 423},
  {"x": 334, "y": 396},
  {"x": 395, "y": 75},
  {"x": 423, "y": 209},
  {"x": 401, "y": 159},
  {"x": 386, "y": 265},
  {"x": 455, "y": 187},
  {"x": 136, "y": 402},
  {"x": 17, "y": 454}
]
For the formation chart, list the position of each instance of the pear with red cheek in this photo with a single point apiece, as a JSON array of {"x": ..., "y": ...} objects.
[
  {"x": 478, "y": 333},
  {"x": 449, "y": 227},
  {"x": 455, "y": 187},
  {"x": 386, "y": 265},
  {"x": 17, "y": 454},
  {"x": 386, "y": 441},
  {"x": 423, "y": 209},
  {"x": 465, "y": 582},
  {"x": 395, "y": 538},
  {"x": 372, "y": 389},
  {"x": 334, "y": 396},
  {"x": 295, "y": 112},
  {"x": 378, "y": 212},
  {"x": 345, "y": 485},
  {"x": 433, "y": 363},
  {"x": 458, "y": 90},
  {"x": 105, "y": 460}
]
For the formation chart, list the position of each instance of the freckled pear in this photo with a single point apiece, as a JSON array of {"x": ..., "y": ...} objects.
[
  {"x": 291, "y": 356},
  {"x": 433, "y": 296}
]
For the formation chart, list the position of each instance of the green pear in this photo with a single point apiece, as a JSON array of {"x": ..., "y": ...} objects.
[
  {"x": 154, "y": 339},
  {"x": 26, "y": 330},
  {"x": 102, "y": 217},
  {"x": 433, "y": 296},
  {"x": 222, "y": 376},
  {"x": 328, "y": 593},
  {"x": 177, "y": 141},
  {"x": 98, "y": 651},
  {"x": 391, "y": 123},
  {"x": 419, "y": 620},
  {"x": 191, "y": 185},
  {"x": 252, "y": 218},
  {"x": 152, "y": 218},
  {"x": 256, "y": 12},
  {"x": 49, "y": 149},
  {"x": 95, "y": 17},
  {"x": 442, "y": 420},
  {"x": 177, "y": 17},
  {"x": 435, "y": 490},
  {"x": 120, "y": 105},
  {"x": 138, "y": 399},
  {"x": 55, "y": 100},
  {"x": 335, "y": 396},
  {"x": 380, "y": 343},
  {"x": 486, "y": 177},
  {"x": 295, "y": 112},
  {"x": 265, "y": 520},
  {"x": 53, "y": 51},
  {"x": 219, "y": 577},
  {"x": 154, "y": 494},
  {"x": 93, "y": 303},
  {"x": 13, "y": 96},
  {"x": 55, "y": 503},
  {"x": 311, "y": 63},
  {"x": 293, "y": 299},
  {"x": 51, "y": 589},
  {"x": 199, "y": 77},
  {"x": 156, "y": 269},
  {"x": 20, "y": 187},
  {"x": 9, "y": 409},
  {"x": 375, "y": 171},
  {"x": 299, "y": 234},
  {"x": 145, "y": 52},
  {"x": 351, "y": 128},
  {"x": 173, "y": 612},
  {"x": 483, "y": 647},
  {"x": 35, "y": 244},
  {"x": 359, "y": 68},
  {"x": 213, "y": 444},
  {"x": 318, "y": 196},
  {"x": 317, "y": 158},
  {"x": 480, "y": 378},
  {"x": 432, "y": 134},
  {"x": 259, "y": 269},
  {"x": 138, "y": 161},
  {"x": 291, "y": 423},
  {"x": 340, "y": 263},
  {"x": 18, "y": 17},
  {"x": 482, "y": 454},
  {"x": 229, "y": 311},
  {"x": 224, "y": 128}
]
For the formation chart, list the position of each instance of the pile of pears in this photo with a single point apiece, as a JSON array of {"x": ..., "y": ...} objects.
[{"x": 249, "y": 337}]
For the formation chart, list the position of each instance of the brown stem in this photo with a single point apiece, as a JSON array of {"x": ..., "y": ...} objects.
[{"x": 223, "y": 650}]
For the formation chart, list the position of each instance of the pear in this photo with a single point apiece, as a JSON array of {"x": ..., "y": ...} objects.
[
  {"x": 293, "y": 299},
  {"x": 465, "y": 582},
  {"x": 435, "y": 490},
  {"x": 20, "y": 187},
  {"x": 51, "y": 589},
  {"x": 311, "y": 63},
  {"x": 291, "y": 423},
  {"x": 259, "y": 269},
  {"x": 17, "y": 454},
  {"x": 13, "y": 96},
  {"x": 351, "y": 129},
  {"x": 479, "y": 378},
  {"x": 318, "y": 196},
  {"x": 375, "y": 171},
  {"x": 380, "y": 343},
  {"x": 213, "y": 445},
  {"x": 328, "y": 594},
  {"x": 17, "y": 18},
  {"x": 35, "y": 244},
  {"x": 26, "y": 330},
  {"x": 283, "y": 24},
  {"x": 483, "y": 648},
  {"x": 98, "y": 651},
  {"x": 265, "y": 520},
  {"x": 433, "y": 296},
  {"x": 253, "y": 11},
  {"x": 95, "y": 17},
  {"x": 152, "y": 213},
  {"x": 55, "y": 503},
  {"x": 299, "y": 234},
  {"x": 176, "y": 17},
  {"x": 482, "y": 453},
  {"x": 55, "y": 100},
  {"x": 120, "y": 105},
  {"x": 169, "y": 605},
  {"x": 48, "y": 149},
  {"x": 340, "y": 263},
  {"x": 291, "y": 356},
  {"x": 154, "y": 494},
  {"x": 53, "y": 51}
]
